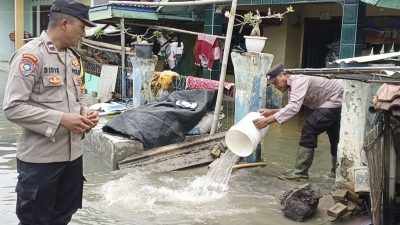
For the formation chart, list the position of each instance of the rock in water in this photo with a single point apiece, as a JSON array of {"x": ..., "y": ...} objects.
[{"x": 301, "y": 202}]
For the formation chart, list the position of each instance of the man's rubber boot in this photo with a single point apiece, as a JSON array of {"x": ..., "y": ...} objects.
[
  {"x": 333, "y": 170},
  {"x": 304, "y": 160}
]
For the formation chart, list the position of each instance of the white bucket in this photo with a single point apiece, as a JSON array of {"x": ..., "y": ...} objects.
[{"x": 243, "y": 138}]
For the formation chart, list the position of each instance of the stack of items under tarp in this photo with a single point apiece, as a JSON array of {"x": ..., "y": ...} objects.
[{"x": 166, "y": 122}]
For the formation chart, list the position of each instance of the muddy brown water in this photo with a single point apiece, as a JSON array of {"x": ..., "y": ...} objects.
[{"x": 141, "y": 197}]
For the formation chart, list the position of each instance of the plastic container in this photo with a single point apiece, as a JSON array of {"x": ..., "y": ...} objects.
[
  {"x": 144, "y": 50},
  {"x": 243, "y": 138}
]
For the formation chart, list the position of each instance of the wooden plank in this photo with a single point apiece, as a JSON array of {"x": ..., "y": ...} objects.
[
  {"x": 175, "y": 156},
  {"x": 173, "y": 147},
  {"x": 248, "y": 165}
]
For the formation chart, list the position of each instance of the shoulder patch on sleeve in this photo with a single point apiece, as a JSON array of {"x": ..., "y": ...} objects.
[
  {"x": 30, "y": 57},
  {"x": 27, "y": 64}
]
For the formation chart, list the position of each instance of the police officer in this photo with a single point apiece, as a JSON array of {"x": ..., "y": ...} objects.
[
  {"x": 324, "y": 97},
  {"x": 43, "y": 95}
]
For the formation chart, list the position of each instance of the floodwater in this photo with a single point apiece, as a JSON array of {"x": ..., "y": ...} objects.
[{"x": 142, "y": 197}]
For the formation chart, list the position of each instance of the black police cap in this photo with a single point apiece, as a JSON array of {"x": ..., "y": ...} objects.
[
  {"x": 73, "y": 8},
  {"x": 274, "y": 72}
]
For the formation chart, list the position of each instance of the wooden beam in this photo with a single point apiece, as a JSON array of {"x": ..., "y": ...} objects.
[
  {"x": 171, "y": 29},
  {"x": 105, "y": 45},
  {"x": 19, "y": 23}
]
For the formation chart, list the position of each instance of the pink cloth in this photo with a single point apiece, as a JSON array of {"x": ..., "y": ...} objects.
[
  {"x": 205, "y": 84},
  {"x": 207, "y": 50}
]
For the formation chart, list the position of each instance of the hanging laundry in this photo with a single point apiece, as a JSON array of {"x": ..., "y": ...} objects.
[
  {"x": 207, "y": 50},
  {"x": 206, "y": 84},
  {"x": 175, "y": 53}
]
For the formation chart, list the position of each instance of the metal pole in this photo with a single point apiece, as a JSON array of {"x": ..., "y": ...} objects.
[
  {"x": 123, "y": 83},
  {"x": 223, "y": 69}
]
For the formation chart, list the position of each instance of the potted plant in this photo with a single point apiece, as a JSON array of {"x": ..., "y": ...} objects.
[
  {"x": 255, "y": 42},
  {"x": 143, "y": 48}
]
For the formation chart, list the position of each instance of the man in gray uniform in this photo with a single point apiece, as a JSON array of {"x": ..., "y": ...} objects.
[
  {"x": 324, "y": 97},
  {"x": 43, "y": 95}
]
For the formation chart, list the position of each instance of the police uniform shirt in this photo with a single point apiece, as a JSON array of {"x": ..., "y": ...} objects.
[{"x": 40, "y": 88}]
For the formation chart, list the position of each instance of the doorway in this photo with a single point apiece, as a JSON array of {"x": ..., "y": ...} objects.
[{"x": 318, "y": 34}]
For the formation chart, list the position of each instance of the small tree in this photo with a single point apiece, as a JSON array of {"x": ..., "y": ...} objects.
[{"x": 254, "y": 19}]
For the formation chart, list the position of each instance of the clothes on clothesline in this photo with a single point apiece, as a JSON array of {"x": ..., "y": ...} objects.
[
  {"x": 207, "y": 50},
  {"x": 175, "y": 53},
  {"x": 172, "y": 50},
  {"x": 206, "y": 84}
]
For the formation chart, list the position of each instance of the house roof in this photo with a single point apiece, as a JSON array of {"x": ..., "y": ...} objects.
[
  {"x": 370, "y": 58},
  {"x": 395, "y": 4},
  {"x": 105, "y": 12}
]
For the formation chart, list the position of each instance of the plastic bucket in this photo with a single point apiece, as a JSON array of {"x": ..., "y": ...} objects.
[
  {"x": 243, "y": 138},
  {"x": 144, "y": 50}
]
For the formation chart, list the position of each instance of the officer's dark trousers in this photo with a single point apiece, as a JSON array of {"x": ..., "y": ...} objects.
[
  {"x": 319, "y": 121},
  {"x": 48, "y": 193}
]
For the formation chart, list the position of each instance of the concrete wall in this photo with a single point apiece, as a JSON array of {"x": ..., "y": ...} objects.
[
  {"x": 356, "y": 121},
  {"x": 7, "y": 26}
]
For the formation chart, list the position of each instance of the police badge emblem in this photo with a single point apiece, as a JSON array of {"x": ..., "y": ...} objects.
[
  {"x": 55, "y": 80},
  {"x": 75, "y": 62},
  {"x": 27, "y": 64}
]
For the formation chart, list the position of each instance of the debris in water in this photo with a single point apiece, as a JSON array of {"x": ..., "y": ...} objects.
[{"x": 301, "y": 202}]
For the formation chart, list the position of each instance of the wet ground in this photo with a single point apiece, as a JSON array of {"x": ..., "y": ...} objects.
[{"x": 137, "y": 197}]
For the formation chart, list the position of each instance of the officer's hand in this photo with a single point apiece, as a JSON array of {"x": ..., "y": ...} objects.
[
  {"x": 92, "y": 115},
  {"x": 266, "y": 112},
  {"x": 76, "y": 123}
]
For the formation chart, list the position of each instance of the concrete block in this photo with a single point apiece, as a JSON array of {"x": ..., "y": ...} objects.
[
  {"x": 339, "y": 194},
  {"x": 110, "y": 148},
  {"x": 337, "y": 210},
  {"x": 215, "y": 152}
]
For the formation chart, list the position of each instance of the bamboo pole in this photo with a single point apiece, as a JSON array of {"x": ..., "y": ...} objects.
[
  {"x": 122, "y": 26},
  {"x": 172, "y": 29},
  {"x": 105, "y": 45},
  {"x": 224, "y": 66},
  {"x": 105, "y": 49},
  {"x": 19, "y": 24},
  {"x": 185, "y": 3}
]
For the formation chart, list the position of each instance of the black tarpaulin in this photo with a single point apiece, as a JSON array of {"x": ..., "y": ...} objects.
[{"x": 162, "y": 123}]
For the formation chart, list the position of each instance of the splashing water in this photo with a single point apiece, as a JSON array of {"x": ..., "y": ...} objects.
[{"x": 218, "y": 175}]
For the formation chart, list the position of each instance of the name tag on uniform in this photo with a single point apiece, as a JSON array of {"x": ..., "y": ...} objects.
[
  {"x": 51, "y": 70},
  {"x": 76, "y": 71}
]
